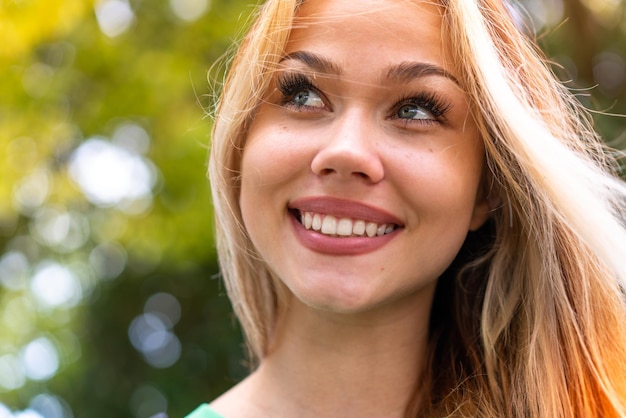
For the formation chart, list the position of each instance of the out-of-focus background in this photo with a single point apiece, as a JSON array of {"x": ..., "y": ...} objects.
[{"x": 110, "y": 299}]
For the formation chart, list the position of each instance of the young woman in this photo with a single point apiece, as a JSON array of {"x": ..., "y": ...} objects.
[{"x": 415, "y": 219}]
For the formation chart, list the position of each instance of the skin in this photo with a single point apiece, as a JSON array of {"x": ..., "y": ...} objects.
[{"x": 351, "y": 339}]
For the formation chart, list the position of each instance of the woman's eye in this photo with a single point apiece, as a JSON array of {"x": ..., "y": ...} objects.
[
  {"x": 299, "y": 93},
  {"x": 422, "y": 108},
  {"x": 307, "y": 98},
  {"x": 415, "y": 112}
]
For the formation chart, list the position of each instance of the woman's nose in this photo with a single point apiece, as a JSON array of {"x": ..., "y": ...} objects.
[{"x": 350, "y": 151}]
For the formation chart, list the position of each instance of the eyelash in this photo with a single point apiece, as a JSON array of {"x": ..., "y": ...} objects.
[
  {"x": 290, "y": 84},
  {"x": 430, "y": 101}
]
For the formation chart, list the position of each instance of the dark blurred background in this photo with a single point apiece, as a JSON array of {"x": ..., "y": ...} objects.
[{"x": 110, "y": 299}]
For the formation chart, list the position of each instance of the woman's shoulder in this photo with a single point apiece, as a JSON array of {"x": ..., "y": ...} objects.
[
  {"x": 204, "y": 411},
  {"x": 239, "y": 401}
]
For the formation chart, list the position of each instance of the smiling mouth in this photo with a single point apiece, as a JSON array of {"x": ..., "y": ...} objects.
[{"x": 342, "y": 227}]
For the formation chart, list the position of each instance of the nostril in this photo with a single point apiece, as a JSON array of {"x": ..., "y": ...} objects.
[{"x": 354, "y": 174}]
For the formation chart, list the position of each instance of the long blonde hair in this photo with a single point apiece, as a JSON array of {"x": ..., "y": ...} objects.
[{"x": 530, "y": 320}]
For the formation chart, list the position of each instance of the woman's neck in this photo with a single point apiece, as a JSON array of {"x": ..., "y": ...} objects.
[{"x": 327, "y": 364}]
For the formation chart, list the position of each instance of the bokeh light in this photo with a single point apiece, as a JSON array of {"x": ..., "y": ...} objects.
[
  {"x": 14, "y": 270},
  {"x": 189, "y": 10},
  {"x": 29, "y": 413},
  {"x": 152, "y": 335},
  {"x": 110, "y": 175},
  {"x": 40, "y": 359},
  {"x": 32, "y": 191},
  {"x": 114, "y": 16},
  {"x": 62, "y": 230},
  {"x": 19, "y": 314},
  {"x": 164, "y": 305},
  {"x": 37, "y": 79},
  {"x": 539, "y": 14},
  {"x": 5, "y": 412},
  {"x": 148, "y": 402},
  {"x": 12, "y": 375},
  {"x": 50, "y": 406},
  {"x": 108, "y": 260},
  {"x": 609, "y": 71},
  {"x": 55, "y": 286}
]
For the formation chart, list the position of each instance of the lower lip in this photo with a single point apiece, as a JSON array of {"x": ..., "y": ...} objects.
[{"x": 325, "y": 244}]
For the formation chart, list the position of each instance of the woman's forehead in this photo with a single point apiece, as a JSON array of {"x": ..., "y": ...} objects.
[{"x": 371, "y": 32}]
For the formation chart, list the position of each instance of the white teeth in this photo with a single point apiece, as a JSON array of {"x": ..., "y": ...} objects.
[
  {"x": 358, "y": 228},
  {"x": 316, "y": 224},
  {"x": 308, "y": 220},
  {"x": 371, "y": 229},
  {"x": 329, "y": 225},
  {"x": 344, "y": 227}
]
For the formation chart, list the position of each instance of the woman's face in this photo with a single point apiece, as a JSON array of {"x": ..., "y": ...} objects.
[{"x": 361, "y": 170}]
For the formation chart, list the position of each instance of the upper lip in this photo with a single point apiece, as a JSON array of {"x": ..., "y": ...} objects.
[{"x": 343, "y": 208}]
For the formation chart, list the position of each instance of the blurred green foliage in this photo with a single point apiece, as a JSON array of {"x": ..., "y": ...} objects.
[
  {"x": 78, "y": 264},
  {"x": 109, "y": 289}
]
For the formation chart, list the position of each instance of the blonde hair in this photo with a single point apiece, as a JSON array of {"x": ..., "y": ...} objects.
[{"x": 530, "y": 320}]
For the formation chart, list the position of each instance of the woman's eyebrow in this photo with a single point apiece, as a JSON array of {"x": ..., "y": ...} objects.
[
  {"x": 403, "y": 72},
  {"x": 409, "y": 70},
  {"x": 315, "y": 62}
]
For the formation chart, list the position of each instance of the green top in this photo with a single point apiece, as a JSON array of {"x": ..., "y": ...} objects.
[{"x": 204, "y": 411}]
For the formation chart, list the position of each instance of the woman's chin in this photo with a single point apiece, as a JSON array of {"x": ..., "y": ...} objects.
[
  {"x": 360, "y": 300},
  {"x": 338, "y": 300}
]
